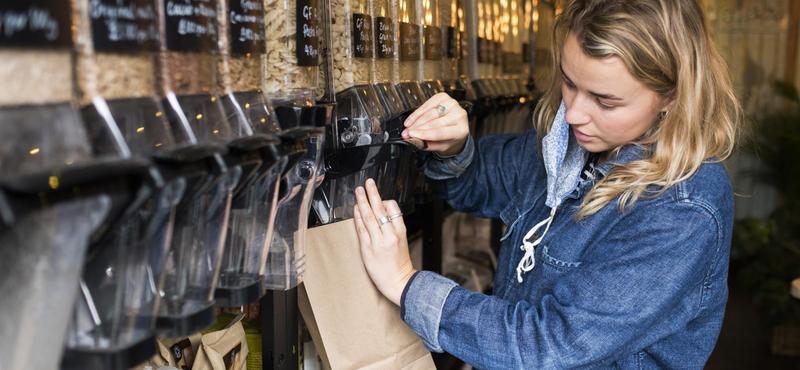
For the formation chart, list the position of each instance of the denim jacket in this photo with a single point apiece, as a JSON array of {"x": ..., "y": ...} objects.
[{"x": 645, "y": 288}]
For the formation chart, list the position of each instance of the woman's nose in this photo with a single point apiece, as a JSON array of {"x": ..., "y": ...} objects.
[{"x": 577, "y": 111}]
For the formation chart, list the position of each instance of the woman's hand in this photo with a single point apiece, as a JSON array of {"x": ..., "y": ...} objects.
[
  {"x": 384, "y": 248},
  {"x": 447, "y": 134}
]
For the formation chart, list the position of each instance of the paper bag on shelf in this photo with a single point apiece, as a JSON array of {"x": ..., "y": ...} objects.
[
  {"x": 224, "y": 349},
  {"x": 352, "y": 324}
]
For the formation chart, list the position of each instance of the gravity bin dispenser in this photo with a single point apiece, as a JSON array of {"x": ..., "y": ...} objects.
[
  {"x": 291, "y": 80},
  {"x": 63, "y": 195},
  {"x": 407, "y": 52},
  {"x": 188, "y": 83},
  {"x": 242, "y": 60},
  {"x": 364, "y": 142},
  {"x": 430, "y": 64}
]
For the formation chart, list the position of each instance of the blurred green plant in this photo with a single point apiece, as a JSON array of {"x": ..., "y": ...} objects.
[{"x": 768, "y": 252}]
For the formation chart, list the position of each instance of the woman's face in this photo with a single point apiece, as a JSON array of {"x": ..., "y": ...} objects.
[{"x": 606, "y": 106}]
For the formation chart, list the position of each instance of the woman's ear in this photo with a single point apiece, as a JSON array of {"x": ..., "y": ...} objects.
[{"x": 667, "y": 106}]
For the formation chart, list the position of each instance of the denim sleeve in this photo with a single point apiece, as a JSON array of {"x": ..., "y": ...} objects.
[
  {"x": 443, "y": 168},
  {"x": 485, "y": 183},
  {"x": 637, "y": 285}
]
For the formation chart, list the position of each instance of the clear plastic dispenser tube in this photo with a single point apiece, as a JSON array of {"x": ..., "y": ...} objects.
[
  {"x": 240, "y": 69},
  {"x": 187, "y": 84},
  {"x": 407, "y": 52}
]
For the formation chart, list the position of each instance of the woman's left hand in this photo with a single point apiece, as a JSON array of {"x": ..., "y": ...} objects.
[{"x": 384, "y": 248}]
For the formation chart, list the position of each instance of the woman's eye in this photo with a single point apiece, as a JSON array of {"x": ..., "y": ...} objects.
[
  {"x": 568, "y": 83},
  {"x": 606, "y": 107}
]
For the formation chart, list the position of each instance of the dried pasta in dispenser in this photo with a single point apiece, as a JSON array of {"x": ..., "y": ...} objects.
[
  {"x": 351, "y": 43},
  {"x": 291, "y": 68}
]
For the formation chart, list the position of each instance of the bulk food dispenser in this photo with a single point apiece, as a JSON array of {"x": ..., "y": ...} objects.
[
  {"x": 240, "y": 67},
  {"x": 383, "y": 67},
  {"x": 407, "y": 52},
  {"x": 187, "y": 83},
  {"x": 58, "y": 195},
  {"x": 112, "y": 324},
  {"x": 448, "y": 18},
  {"x": 291, "y": 71},
  {"x": 361, "y": 144},
  {"x": 478, "y": 17},
  {"x": 431, "y": 62}
]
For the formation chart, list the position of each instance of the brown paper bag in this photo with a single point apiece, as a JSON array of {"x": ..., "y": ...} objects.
[
  {"x": 351, "y": 323},
  {"x": 178, "y": 353},
  {"x": 223, "y": 349}
]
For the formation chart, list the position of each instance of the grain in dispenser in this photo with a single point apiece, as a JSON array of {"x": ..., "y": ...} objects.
[{"x": 383, "y": 66}]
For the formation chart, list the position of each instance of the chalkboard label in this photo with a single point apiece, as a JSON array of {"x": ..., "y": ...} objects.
[
  {"x": 191, "y": 25},
  {"x": 384, "y": 40},
  {"x": 409, "y": 41},
  {"x": 483, "y": 51},
  {"x": 35, "y": 23},
  {"x": 433, "y": 43},
  {"x": 307, "y": 33},
  {"x": 362, "y": 35},
  {"x": 462, "y": 38},
  {"x": 526, "y": 54},
  {"x": 453, "y": 44},
  {"x": 123, "y": 25},
  {"x": 498, "y": 53},
  {"x": 246, "y": 20}
]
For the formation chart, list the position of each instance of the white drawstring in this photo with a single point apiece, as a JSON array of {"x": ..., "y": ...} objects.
[{"x": 528, "y": 261}]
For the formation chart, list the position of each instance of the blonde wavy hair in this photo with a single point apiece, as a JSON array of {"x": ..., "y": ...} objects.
[{"x": 667, "y": 46}]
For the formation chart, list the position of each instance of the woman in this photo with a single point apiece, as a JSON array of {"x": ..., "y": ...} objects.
[{"x": 619, "y": 212}]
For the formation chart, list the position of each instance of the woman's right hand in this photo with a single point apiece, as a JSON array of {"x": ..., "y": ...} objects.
[{"x": 445, "y": 135}]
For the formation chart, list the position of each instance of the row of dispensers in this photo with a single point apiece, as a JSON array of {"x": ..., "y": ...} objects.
[{"x": 126, "y": 219}]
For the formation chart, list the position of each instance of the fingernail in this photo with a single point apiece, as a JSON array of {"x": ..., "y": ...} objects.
[
  {"x": 405, "y": 134},
  {"x": 370, "y": 182},
  {"x": 360, "y": 190}
]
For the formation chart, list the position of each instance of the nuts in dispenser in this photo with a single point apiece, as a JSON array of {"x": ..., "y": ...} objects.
[
  {"x": 351, "y": 43},
  {"x": 240, "y": 66},
  {"x": 283, "y": 68}
]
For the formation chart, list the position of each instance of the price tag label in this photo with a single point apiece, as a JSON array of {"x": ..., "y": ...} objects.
[
  {"x": 191, "y": 25},
  {"x": 35, "y": 23},
  {"x": 409, "y": 41},
  {"x": 246, "y": 19},
  {"x": 362, "y": 35},
  {"x": 453, "y": 43},
  {"x": 123, "y": 25},
  {"x": 307, "y": 33},
  {"x": 433, "y": 43},
  {"x": 384, "y": 38}
]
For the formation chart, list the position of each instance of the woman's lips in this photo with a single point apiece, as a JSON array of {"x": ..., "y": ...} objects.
[{"x": 581, "y": 136}]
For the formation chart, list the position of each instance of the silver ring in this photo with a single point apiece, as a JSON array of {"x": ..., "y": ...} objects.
[
  {"x": 384, "y": 220},
  {"x": 441, "y": 110},
  {"x": 392, "y": 217}
]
